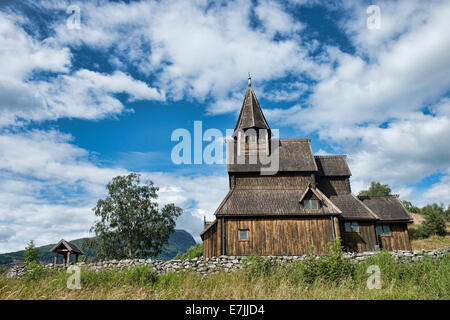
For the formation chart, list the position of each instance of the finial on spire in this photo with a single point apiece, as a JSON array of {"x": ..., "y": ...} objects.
[{"x": 249, "y": 80}]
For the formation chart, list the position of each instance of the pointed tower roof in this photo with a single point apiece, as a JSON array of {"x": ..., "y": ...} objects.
[{"x": 251, "y": 115}]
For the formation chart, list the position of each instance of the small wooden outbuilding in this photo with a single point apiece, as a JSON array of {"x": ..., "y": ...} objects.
[{"x": 66, "y": 249}]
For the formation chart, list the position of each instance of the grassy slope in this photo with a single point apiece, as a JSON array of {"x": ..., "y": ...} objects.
[
  {"x": 429, "y": 279},
  {"x": 432, "y": 242}
]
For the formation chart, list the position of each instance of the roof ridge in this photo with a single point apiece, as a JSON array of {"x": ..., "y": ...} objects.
[
  {"x": 295, "y": 139},
  {"x": 224, "y": 200},
  {"x": 380, "y": 196},
  {"x": 331, "y": 156},
  {"x": 365, "y": 206}
]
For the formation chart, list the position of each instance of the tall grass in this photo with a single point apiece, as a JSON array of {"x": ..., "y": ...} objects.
[{"x": 259, "y": 279}]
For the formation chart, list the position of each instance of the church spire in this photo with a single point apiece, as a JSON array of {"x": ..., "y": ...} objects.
[{"x": 251, "y": 115}]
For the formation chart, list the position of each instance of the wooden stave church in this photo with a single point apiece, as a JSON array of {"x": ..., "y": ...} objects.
[{"x": 277, "y": 214}]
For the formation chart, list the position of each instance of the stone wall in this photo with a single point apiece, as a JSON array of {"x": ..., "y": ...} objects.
[{"x": 226, "y": 263}]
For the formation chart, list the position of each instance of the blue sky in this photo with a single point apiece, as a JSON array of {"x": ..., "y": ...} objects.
[{"x": 81, "y": 105}]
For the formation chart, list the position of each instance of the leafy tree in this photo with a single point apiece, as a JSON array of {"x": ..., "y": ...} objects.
[
  {"x": 31, "y": 254},
  {"x": 434, "y": 223},
  {"x": 131, "y": 224},
  {"x": 195, "y": 251},
  {"x": 376, "y": 189},
  {"x": 410, "y": 207}
]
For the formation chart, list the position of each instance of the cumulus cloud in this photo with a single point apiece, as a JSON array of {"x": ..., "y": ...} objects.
[
  {"x": 204, "y": 52},
  {"x": 48, "y": 187},
  {"x": 6, "y": 233},
  {"x": 36, "y": 82},
  {"x": 375, "y": 103}
]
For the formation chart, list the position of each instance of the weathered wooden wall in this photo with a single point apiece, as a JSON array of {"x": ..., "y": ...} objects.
[
  {"x": 398, "y": 240},
  {"x": 364, "y": 240},
  {"x": 211, "y": 241},
  {"x": 277, "y": 236},
  {"x": 290, "y": 180}
]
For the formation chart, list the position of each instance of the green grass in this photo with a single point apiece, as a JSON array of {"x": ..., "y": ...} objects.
[
  {"x": 260, "y": 279},
  {"x": 431, "y": 243}
]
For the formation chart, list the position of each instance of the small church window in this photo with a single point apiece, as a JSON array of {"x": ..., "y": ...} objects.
[
  {"x": 306, "y": 204},
  {"x": 311, "y": 204},
  {"x": 384, "y": 230},
  {"x": 243, "y": 235},
  {"x": 351, "y": 226}
]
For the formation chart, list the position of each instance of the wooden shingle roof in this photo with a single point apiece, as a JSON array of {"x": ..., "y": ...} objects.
[
  {"x": 332, "y": 166},
  {"x": 388, "y": 208},
  {"x": 67, "y": 245},
  {"x": 251, "y": 115},
  {"x": 352, "y": 207},
  {"x": 269, "y": 202}
]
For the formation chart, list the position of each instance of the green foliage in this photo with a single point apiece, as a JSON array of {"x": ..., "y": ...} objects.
[
  {"x": 331, "y": 266},
  {"x": 131, "y": 225},
  {"x": 410, "y": 207},
  {"x": 191, "y": 253},
  {"x": 258, "y": 266},
  {"x": 31, "y": 254},
  {"x": 136, "y": 276},
  {"x": 434, "y": 223},
  {"x": 376, "y": 189},
  {"x": 34, "y": 272}
]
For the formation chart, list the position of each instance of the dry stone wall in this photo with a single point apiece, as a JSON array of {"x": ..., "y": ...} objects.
[{"x": 226, "y": 263}]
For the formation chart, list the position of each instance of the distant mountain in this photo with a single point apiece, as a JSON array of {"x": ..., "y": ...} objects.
[{"x": 179, "y": 242}]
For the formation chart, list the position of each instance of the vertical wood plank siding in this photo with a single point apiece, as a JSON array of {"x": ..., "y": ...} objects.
[
  {"x": 364, "y": 240},
  {"x": 283, "y": 180},
  {"x": 210, "y": 242},
  {"x": 398, "y": 240},
  {"x": 272, "y": 236}
]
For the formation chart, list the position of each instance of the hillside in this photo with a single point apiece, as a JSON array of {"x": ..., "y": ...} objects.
[
  {"x": 430, "y": 243},
  {"x": 179, "y": 242}
]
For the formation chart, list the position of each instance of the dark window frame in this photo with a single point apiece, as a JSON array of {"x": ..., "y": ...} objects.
[
  {"x": 310, "y": 204},
  {"x": 247, "y": 232},
  {"x": 383, "y": 228},
  {"x": 353, "y": 226}
]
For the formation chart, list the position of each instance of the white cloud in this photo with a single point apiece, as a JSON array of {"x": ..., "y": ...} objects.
[
  {"x": 48, "y": 187},
  {"x": 21, "y": 54},
  {"x": 438, "y": 192},
  {"x": 204, "y": 52},
  {"x": 90, "y": 95},
  {"x": 373, "y": 103},
  {"x": 26, "y": 96}
]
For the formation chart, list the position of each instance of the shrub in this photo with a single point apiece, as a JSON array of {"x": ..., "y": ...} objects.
[
  {"x": 35, "y": 271},
  {"x": 410, "y": 207},
  {"x": 258, "y": 266},
  {"x": 434, "y": 223},
  {"x": 330, "y": 266},
  {"x": 191, "y": 253},
  {"x": 31, "y": 254},
  {"x": 140, "y": 275}
]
